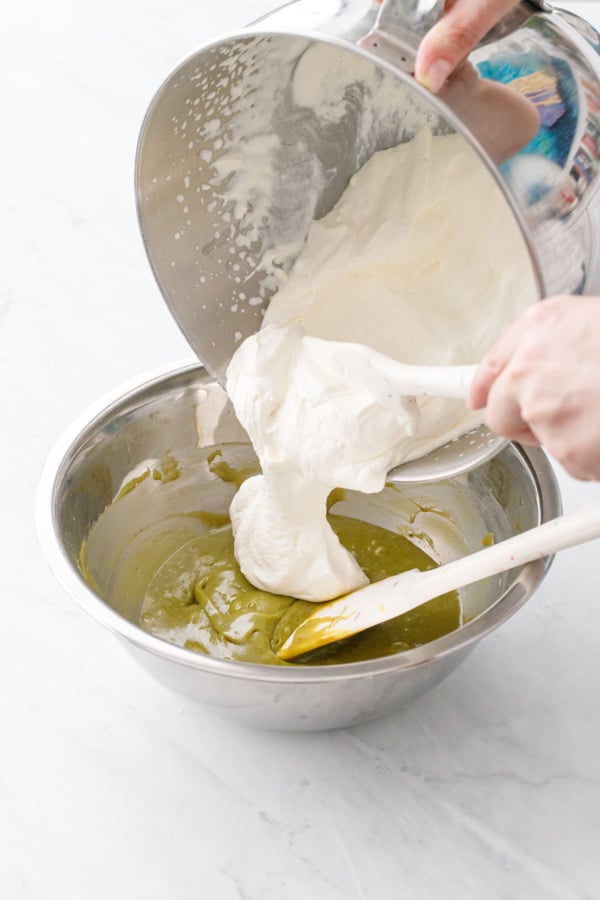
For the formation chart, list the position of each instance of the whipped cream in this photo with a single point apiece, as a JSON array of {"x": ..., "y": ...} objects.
[{"x": 421, "y": 260}]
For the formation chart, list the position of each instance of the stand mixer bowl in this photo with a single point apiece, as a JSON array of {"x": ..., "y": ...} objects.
[{"x": 238, "y": 154}]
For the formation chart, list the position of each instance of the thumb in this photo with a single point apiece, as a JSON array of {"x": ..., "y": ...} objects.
[{"x": 451, "y": 39}]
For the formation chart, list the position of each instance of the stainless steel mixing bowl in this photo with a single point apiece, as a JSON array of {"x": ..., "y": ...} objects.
[
  {"x": 236, "y": 156},
  {"x": 240, "y": 151},
  {"x": 184, "y": 411}
]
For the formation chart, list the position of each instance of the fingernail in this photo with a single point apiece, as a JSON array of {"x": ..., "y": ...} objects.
[{"x": 436, "y": 75}]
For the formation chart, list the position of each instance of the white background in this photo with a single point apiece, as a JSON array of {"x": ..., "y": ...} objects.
[{"x": 487, "y": 787}]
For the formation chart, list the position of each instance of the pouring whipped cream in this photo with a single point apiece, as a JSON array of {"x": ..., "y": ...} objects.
[{"x": 421, "y": 260}]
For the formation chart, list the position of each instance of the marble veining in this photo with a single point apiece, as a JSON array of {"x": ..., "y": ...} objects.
[{"x": 487, "y": 788}]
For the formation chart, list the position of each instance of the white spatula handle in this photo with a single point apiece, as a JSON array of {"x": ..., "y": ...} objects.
[
  {"x": 423, "y": 381},
  {"x": 557, "y": 534},
  {"x": 383, "y": 374}
]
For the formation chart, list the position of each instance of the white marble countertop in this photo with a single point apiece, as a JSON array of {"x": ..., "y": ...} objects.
[{"x": 487, "y": 787}]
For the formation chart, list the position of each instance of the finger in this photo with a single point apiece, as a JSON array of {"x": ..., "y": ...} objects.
[
  {"x": 493, "y": 364},
  {"x": 458, "y": 31},
  {"x": 503, "y": 413},
  {"x": 526, "y": 437}
]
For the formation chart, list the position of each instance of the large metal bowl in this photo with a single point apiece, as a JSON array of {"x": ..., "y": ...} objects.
[{"x": 182, "y": 410}]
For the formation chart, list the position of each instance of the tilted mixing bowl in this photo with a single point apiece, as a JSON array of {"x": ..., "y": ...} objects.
[
  {"x": 260, "y": 131},
  {"x": 233, "y": 111},
  {"x": 183, "y": 411}
]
